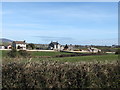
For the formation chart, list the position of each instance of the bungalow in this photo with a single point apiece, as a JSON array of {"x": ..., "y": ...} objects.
[{"x": 19, "y": 45}]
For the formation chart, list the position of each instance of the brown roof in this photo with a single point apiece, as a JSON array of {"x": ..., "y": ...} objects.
[{"x": 19, "y": 42}]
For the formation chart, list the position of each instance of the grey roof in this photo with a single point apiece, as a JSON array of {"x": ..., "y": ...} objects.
[{"x": 55, "y": 43}]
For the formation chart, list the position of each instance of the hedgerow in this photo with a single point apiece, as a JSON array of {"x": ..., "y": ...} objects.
[
  {"x": 14, "y": 53},
  {"x": 54, "y": 74}
]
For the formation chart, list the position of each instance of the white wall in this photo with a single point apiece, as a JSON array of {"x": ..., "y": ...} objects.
[
  {"x": 2, "y": 47},
  {"x": 21, "y": 45}
]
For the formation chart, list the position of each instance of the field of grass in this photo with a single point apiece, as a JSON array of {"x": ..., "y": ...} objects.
[
  {"x": 103, "y": 58},
  {"x": 89, "y": 58},
  {"x": 38, "y": 53},
  {"x": 4, "y": 53}
]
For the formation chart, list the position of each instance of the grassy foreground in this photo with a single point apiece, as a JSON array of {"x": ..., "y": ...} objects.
[
  {"x": 54, "y": 74},
  {"x": 101, "y": 71}
]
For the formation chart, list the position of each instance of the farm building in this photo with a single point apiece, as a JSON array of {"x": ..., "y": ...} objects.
[
  {"x": 61, "y": 47},
  {"x": 95, "y": 50},
  {"x": 54, "y": 46},
  {"x": 9, "y": 47},
  {"x": 2, "y": 47},
  {"x": 19, "y": 45}
]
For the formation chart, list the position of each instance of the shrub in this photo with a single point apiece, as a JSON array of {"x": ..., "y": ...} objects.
[
  {"x": 24, "y": 53},
  {"x": 53, "y": 74},
  {"x": 31, "y": 45},
  {"x": 118, "y": 51},
  {"x": 13, "y": 53}
]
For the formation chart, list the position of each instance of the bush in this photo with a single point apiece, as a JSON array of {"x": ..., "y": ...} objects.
[
  {"x": 24, "y": 53},
  {"x": 14, "y": 53},
  {"x": 31, "y": 45},
  {"x": 118, "y": 51},
  {"x": 53, "y": 74}
]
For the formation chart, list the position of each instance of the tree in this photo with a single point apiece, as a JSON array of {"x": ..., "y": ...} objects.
[
  {"x": 23, "y": 53},
  {"x": 76, "y": 46},
  {"x": 13, "y": 53},
  {"x": 31, "y": 45},
  {"x": 66, "y": 46},
  {"x": 118, "y": 51}
]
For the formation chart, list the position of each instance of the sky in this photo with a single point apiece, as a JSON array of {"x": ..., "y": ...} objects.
[{"x": 82, "y": 23}]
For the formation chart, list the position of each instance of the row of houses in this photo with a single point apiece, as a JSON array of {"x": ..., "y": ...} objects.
[
  {"x": 22, "y": 45},
  {"x": 57, "y": 46},
  {"x": 15, "y": 44},
  {"x": 6, "y": 46}
]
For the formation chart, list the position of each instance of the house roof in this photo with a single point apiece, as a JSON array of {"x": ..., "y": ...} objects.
[
  {"x": 19, "y": 42},
  {"x": 55, "y": 43},
  {"x": 1, "y": 45}
]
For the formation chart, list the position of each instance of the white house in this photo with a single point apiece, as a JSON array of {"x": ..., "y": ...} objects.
[
  {"x": 61, "y": 47},
  {"x": 9, "y": 47},
  {"x": 2, "y": 47},
  {"x": 95, "y": 50},
  {"x": 19, "y": 45},
  {"x": 54, "y": 46},
  {"x": 70, "y": 47}
]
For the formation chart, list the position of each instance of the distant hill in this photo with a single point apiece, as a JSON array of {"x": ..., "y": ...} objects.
[{"x": 5, "y": 40}]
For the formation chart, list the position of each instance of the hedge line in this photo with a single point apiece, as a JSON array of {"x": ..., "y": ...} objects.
[{"x": 54, "y": 74}]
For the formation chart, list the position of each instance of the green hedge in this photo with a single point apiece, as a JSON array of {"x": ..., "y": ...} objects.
[
  {"x": 53, "y": 74},
  {"x": 14, "y": 53}
]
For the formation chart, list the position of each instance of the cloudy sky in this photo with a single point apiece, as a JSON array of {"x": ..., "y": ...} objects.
[{"x": 66, "y": 22}]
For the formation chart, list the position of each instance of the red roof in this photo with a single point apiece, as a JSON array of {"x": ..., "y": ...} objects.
[{"x": 19, "y": 42}]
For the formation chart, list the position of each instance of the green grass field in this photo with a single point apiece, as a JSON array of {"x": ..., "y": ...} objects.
[
  {"x": 37, "y": 53},
  {"x": 89, "y": 58},
  {"x": 103, "y": 58}
]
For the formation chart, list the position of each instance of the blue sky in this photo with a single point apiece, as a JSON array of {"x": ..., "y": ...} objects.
[{"x": 66, "y": 22}]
